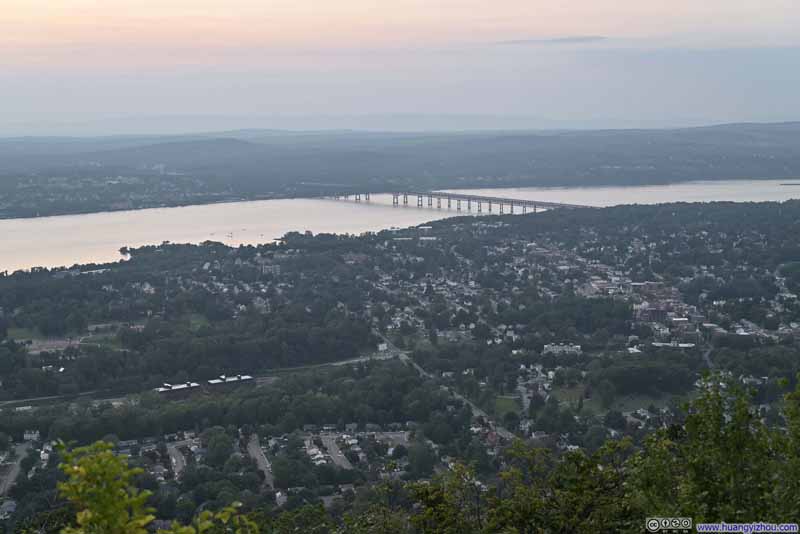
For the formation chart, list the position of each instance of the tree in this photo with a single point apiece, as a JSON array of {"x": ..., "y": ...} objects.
[
  {"x": 607, "y": 393},
  {"x": 310, "y": 518},
  {"x": 614, "y": 419},
  {"x": 594, "y": 438},
  {"x": 453, "y": 503},
  {"x": 100, "y": 486},
  {"x": 219, "y": 446},
  {"x": 537, "y": 402},
  {"x": 511, "y": 420},
  {"x": 421, "y": 460},
  {"x": 723, "y": 463},
  {"x": 400, "y": 451}
]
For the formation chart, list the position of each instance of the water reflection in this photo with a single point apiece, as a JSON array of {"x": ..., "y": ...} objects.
[{"x": 66, "y": 240}]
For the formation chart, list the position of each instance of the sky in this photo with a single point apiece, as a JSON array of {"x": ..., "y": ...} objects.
[{"x": 67, "y": 65}]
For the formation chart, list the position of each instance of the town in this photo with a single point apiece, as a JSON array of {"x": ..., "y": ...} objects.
[{"x": 258, "y": 364}]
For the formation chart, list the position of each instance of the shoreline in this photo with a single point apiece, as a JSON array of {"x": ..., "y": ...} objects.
[{"x": 475, "y": 187}]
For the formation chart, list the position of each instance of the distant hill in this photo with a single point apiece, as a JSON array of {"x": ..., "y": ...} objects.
[{"x": 247, "y": 163}]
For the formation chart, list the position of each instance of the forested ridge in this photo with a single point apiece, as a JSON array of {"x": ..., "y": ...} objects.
[{"x": 78, "y": 175}]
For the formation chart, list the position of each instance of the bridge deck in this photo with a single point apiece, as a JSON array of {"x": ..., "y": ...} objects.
[
  {"x": 464, "y": 197},
  {"x": 496, "y": 200}
]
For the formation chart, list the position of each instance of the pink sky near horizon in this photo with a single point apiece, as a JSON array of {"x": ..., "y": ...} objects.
[
  {"x": 671, "y": 62},
  {"x": 67, "y": 32}
]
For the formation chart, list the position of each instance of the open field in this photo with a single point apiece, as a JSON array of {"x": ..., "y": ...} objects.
[
  {"x": 22, "y": 334},
  {"x": 503, "y": 405}
]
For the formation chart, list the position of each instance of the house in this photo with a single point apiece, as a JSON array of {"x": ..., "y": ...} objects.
[
  {"x": 7, "y": 509},
  {"x": 159, "y": 472},
  {"x": 31, "y": 435},
  {"x": 281, "y": 498}
]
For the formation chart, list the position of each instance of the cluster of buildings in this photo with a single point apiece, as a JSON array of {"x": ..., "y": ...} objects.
[{"x": 221, "y": 382}]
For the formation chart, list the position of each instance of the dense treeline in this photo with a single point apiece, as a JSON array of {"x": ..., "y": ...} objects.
[
  {"x": 51, "y": 176},
  {"x": 154, "y": 328},
  {"x": 377, "y": 393},
  {"x": 722, "y": 464}
]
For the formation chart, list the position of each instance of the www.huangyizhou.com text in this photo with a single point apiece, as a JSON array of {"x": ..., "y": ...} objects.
[
  {"x": 747, "y": 528},
  {"x": 684, "y": 525}
]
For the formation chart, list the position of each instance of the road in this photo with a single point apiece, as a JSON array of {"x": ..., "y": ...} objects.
[
  {"x": 707, "y": 358},
  {"x": 8, "y": 481},
  {"x": 257, "y": 453},
  {"x": 261, "y": 380},
  {"x": 476, "y": 411},
  {"x": 177, "y": 458},
  {"x": 335, "y": 452},
  {"x": 525, "y": 396}
]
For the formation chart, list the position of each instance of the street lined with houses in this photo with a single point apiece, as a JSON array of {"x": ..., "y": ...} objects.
[{"x": 255, "y": 452}]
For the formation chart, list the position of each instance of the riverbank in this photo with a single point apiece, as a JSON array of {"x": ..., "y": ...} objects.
[{"x": 97, "y": 237}]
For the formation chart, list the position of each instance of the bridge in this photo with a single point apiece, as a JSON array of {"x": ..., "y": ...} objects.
[{"x": 462, "y": 201}]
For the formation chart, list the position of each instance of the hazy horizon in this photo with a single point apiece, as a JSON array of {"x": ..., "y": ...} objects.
[
  {"x": 70, "y": 68},
  {"x": 191, "y": 124}
]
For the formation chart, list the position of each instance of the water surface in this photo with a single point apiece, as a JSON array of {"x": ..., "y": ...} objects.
[{"x": 71, "y": 239}]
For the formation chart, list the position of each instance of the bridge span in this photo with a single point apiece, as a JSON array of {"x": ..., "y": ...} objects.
[{"x": 462, "y": 201}]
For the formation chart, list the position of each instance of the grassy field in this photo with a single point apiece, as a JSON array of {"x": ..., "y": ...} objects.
[
  {"x": 110, "y": 341},
  {"x": 571, "y": 396},
  {"x": 634, "y": 402},
  {"x": 503, "y": 405},
  {"x": 24, "y": 333},
  {"x": 625, "y": 403},
  {"x": 197, "y": 321}
]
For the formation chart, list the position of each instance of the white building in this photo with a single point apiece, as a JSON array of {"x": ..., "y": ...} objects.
[{"x": 562, "y": 349}]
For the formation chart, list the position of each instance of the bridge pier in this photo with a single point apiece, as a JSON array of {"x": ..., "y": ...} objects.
[{"x": 506, "y": 205}]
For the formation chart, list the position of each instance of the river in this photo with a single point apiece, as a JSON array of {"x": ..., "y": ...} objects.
[{"x": 71, "y": 239}]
